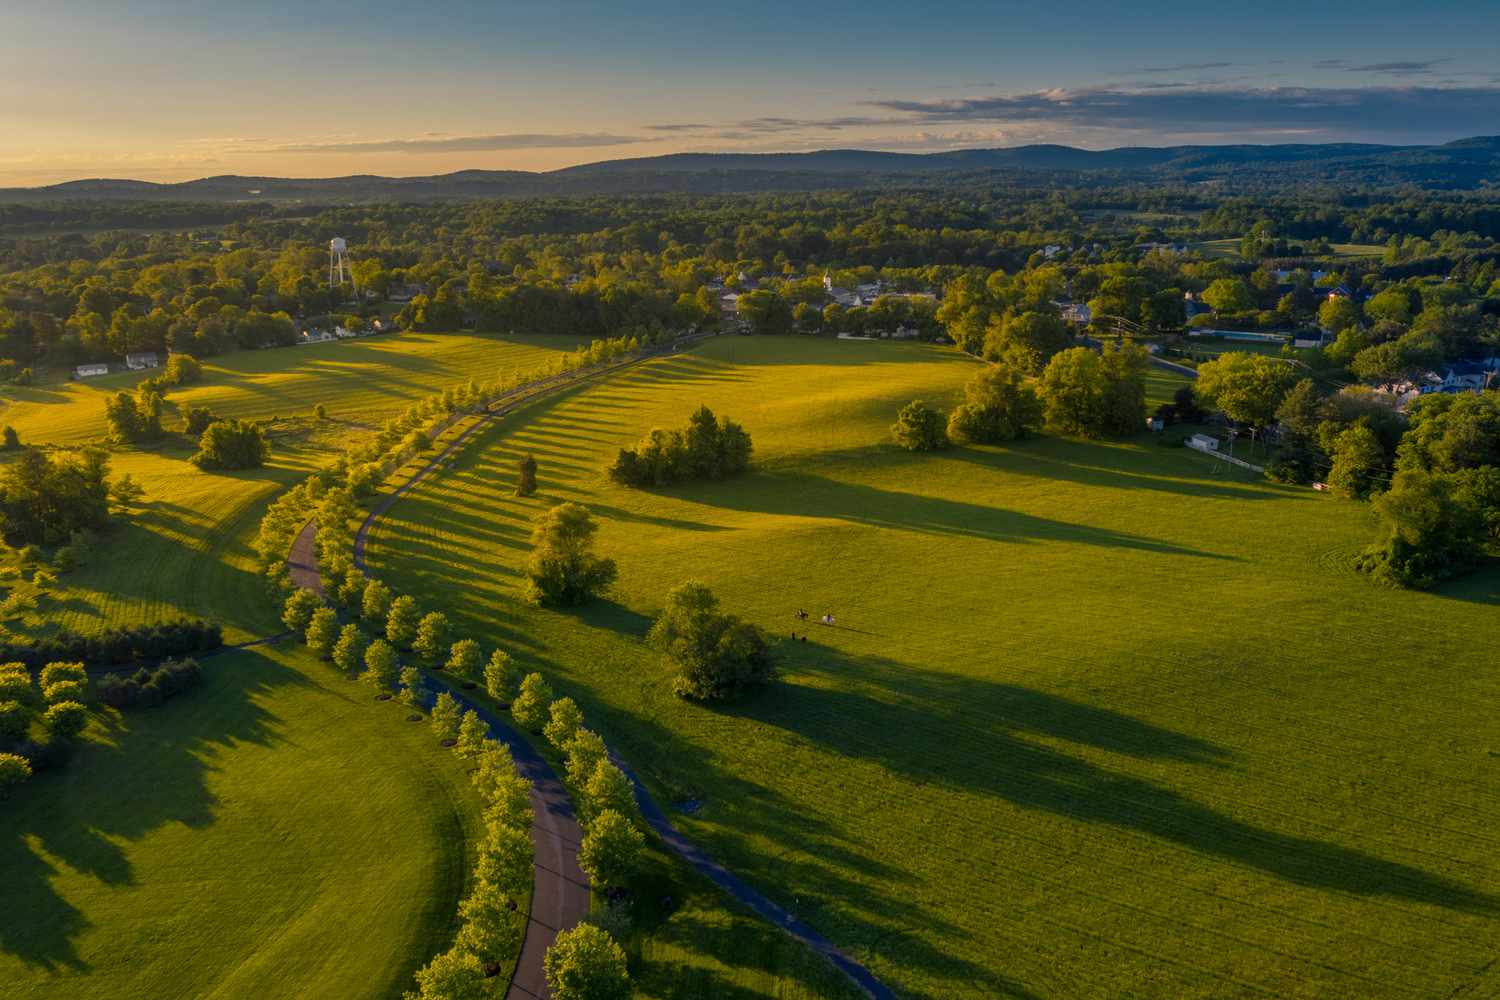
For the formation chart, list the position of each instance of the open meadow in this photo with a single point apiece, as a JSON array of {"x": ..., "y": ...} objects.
[
  {"x": 186, "y": 550},
  {"x": 1095, "y": 720},
  {"x": 275, "y": 832}
]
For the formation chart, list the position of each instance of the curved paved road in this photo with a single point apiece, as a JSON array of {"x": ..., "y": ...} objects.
[{"x": 560, "y": 889}]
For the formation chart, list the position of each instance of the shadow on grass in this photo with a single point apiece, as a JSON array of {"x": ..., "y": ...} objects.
[
  {"x": 152, "y": 771},
  {"x": 1005, "y": 732}
]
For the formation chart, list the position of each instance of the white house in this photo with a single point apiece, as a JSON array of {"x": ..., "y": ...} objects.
[
  {"x": 1203, "y": 442},
  {"x": 142, "y": 361},
  {"x": 89, "y": 371},
  {"x": 1076, "y": 312}
]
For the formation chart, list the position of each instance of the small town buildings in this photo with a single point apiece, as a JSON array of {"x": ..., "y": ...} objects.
[
  {"x": 90, "y": 371},
  {"x": 142, "y": 360}
]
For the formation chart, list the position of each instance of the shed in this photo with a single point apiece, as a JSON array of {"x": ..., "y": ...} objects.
[
  {"x": 89, "y": 371},
  {"x": 1204, "y": 442}
]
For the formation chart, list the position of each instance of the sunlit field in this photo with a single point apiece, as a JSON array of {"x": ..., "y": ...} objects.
[{"x": 1096, "y": 719}]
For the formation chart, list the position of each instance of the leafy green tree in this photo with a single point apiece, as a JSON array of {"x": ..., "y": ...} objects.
[
  {"x": 65, "y": 720},
  {"x": 584, "y": 963},
  {"x": 411, "y": 686},
  {"x": 402, "y": 621},
  {"x": 456, "y": 974},
  {"x": 1391, "y": 304},
  {"x": 1248, "y": 388},
  {"x": 1452, "y": 432},
  {"x": 232, "y": 444},
  {"x": 445, "y": 717},
  {"x": 502, "y": 677},
  {"x": 1072, "y": 389},
  {"x": 322, "y": 632},
  {"x": 1358, "y": 459},
  {"x": 564, "y": 721},
  {"x": 562, "y": 568},
  {"x": 351, "y": 589},
  {"x": 14, "y": 769},
  {"x": 63, "y": 682},
  {"x": 1229, "y": 295},
  {"x": 349, "y": 651},
  {"x": 1026, "y": 341},
  {"x": 584, "y": 753},
  {"x": 299, "y": 608},
  {"x": 1429, "y": 534},
  {"x": 999, "y": 405},
  {"x": 433, "y": 637},
  {"x": 381, "y": 667},
  {"x": 15, "y": 719},
  {"x": 717, "y": 655},
  {"x": 466, "y": 660},
  {"x": 9, "y": 439},
  {"x": 44, "y": 498},
  {"x": 919, "y": 428},
  {"x": 611, "y": 849},
  {"x": 529, "y": 708},
  {"x": 608, "y": 788},
  {"x": 488, "y": 928},
  {"x": 472, "y": 733},
  {"x": 375, "y": 603},
  {"x": 133, "y": 418},
  {"x": 526, "y": 476},
  {"x": 1301, "y": 411},
  {"x": 1339, "y": 313}
]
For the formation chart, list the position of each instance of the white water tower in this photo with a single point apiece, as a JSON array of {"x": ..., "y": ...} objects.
[{"x": 338, "y": 263}]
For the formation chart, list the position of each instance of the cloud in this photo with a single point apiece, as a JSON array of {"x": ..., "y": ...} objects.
[
  {"x": 463, "y": 144},
  {"x": 1184, "y": 67},
  {"x": 1406, "y": 68},
  {"x": 1311, "y": 110},
  {"x": 676, "y": 127}
]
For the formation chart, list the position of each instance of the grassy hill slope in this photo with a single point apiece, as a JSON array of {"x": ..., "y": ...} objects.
[{"x": 1096, "y": 719}]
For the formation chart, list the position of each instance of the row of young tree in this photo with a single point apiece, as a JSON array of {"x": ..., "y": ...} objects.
[{"x": 41, "y": 718}]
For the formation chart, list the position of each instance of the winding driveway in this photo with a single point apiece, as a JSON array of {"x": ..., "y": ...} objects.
[{"x": 560, "y": 893}]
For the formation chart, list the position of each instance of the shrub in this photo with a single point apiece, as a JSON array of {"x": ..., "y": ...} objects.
[
  {"x": 9, "y": 439},
  {"x": 125, "y": 491},
  {"x": 529, "y": 708},
  {"x": 401, "y": 622},
  {"x": 432, "y": 639},
  {"x": 65, "y": 721},
  {"x": 63, "y": 682},
  {"x": 146, "y": 687},
  {"x": 363, "y": 479},
  {"x": 456, "y": 974},
  {"x": 525, "y": 475},
  {"x": 182, "y": 369},
  {"x": 999, "y": 405},
  {"x": 709, "y": 448},
  {"x": 502, "y": 677},
  {"x": 14, "y": 769},
  {"x": 717, "y": 655},
  {"x": 322, "y": 632},
  {"x": 381, "y": 666},
  {"x": 15, "y": 719},
  {"x": 320, "y": 412},
  {"x": 585, "y": 963},
  {"x": 232, "y": 444},
  {"x": 563, "y": 722},
  {"x": 466, "y": 660},
  {"x": 299, "y": 609},
  {"x": 196, "y": 420},
  {"x": 562, "y": 568},
  {"x": 611, "y": 850},
  {"x": 919, "y": 428},
  {"x": 445, "y": 717}
]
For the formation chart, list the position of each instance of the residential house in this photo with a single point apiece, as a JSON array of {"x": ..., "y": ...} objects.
[
  {"x": 90, "y": 371},
  {"x": 142, "y": 360}
]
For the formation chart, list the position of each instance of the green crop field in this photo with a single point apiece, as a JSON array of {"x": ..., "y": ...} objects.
[
  {"x": 274, "y": 833},
  {"x": 1085, "y": 726},
  {"x": 187, "y": 550}
]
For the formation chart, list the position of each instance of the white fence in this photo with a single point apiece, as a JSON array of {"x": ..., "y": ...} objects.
[{"x": 1204, "y": 449}]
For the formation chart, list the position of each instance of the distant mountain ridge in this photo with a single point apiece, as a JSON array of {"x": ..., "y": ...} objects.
[{"x": 1463, "y": 164}]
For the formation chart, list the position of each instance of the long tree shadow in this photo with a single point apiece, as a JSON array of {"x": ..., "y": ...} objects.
[
  {"x": 152, "y": 770},
  {"x": 807, "y": 495},
  {"x": 1001, "y": 723}
]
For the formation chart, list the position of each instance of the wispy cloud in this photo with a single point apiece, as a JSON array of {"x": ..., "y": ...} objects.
[
  {"x": 1429, "y": 110},
  {"x": 1184, "y": 67},
  {"x": 678, "y": 127},
  {"x": 462, "y": 144},
  {"x": 1406, "y": 68}
]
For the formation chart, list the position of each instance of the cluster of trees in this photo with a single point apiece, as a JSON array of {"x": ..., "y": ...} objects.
[
  {"x": 717, "y": 655},
  {"x": 41, "y": 718},
  {"x": 120, "y": 644},
  {"x": 708, "y": 448},
  {"x": 150, "y": 686},
  {"x": 1080, "y": 392},
  {"x": 46, "y": 498},
  {"x": 232, "y": 444}
]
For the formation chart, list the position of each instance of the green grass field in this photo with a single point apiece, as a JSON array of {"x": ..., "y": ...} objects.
[
  {"x": 1097, "y": 720},
  {"x": 187, "y": 550},
  {"x": 1341, "y": 251},
  {"x": 274, "y": 833}
]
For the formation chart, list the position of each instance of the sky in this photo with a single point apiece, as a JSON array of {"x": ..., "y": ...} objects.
[{"x": 168, "y": 90}]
